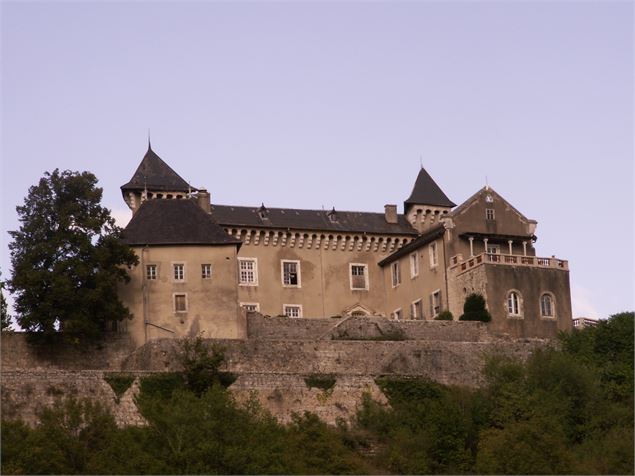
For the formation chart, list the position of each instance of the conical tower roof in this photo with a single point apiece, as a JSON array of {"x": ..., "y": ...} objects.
[
  {"x": 427, "y": 192},
  {"x": 155, "y": 175}
]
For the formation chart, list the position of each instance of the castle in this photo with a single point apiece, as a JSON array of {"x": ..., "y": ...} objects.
[{"x": 203, "y": 266}]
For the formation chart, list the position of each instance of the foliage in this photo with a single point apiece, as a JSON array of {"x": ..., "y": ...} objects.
[
  {"x": 201, "y": 365},
  {"x": 5, "y": 318},
  {"x": 444, "y": 316},
  {"x": 67, "y": 259},
  {"x": 559, "y": 412},
  {"x": 321, "y": 381},
  {"x": 161, "y": 385},
  {"x": 119, "y": 383},
  {"x": 474, "y": 309}
]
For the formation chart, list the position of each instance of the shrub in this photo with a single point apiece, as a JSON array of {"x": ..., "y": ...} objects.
[
  {"x": 444, "y": 316},
  {"x": 119, "y": 383},
  {"x": 321, "y": 381},
  {"x": 474, "y": 309}
]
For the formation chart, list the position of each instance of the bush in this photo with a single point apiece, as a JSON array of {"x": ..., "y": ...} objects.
[
  {"x": 444, "y": 316},
  {"x": 321, "y": 381},
  {"x": 474, "y": 309}
]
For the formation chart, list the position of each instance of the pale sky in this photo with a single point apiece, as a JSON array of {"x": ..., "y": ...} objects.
[{"x": 312, "y": 104}]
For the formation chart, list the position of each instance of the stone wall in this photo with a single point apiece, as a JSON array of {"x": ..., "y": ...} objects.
[
  {"x": 273, "y": 371},
  {"x": 26, "y": 392},
  {"x": 362, "y": 328},
  {"x": 285, "y": 328}
]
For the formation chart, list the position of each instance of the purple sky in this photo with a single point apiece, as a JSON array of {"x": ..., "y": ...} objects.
[{"x": 334, "y": 104}]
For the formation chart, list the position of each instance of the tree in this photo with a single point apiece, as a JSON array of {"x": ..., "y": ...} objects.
[
  {"x": 474, "y": 309},
  {"x": 5, "y": 318},
  {"x": 67, "y": 259}
]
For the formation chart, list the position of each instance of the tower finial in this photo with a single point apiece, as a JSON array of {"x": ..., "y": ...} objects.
[
  {"x": 421, "y": 160},
  {"x": 486, "y": 183},
  {"x": 149, "y": 145}
]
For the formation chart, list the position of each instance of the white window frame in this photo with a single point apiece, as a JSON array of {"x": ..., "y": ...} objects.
[
  {"x": 254, "y": 270},
  {"x": 395, "y": 273},
  {"x": 206, "y": 271},
  {"x": 514, "y": 309},
  {"x": 288, "y": 306},
  {"x": 350, "y": 276},
  {"x": 174, "y": 272},
  {"x": 297, "y": 268},
  {"x": 496, "y": 249},
  {"x": 255, "y": 305},
  {"x": 155, "y": 274},
  {"x": 187, "y": 304},
  {"x": 488, "y": 212},
  {"x": 435, "y": 310},
  {"x": 553, "y": 305},
  {"x": 414, "y": 265},
  {"x": 413, "y": 309},
  {"x": 433, "y": 251},
  {"x": 397, "y": 314}
]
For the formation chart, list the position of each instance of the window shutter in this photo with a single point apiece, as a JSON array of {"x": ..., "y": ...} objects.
[{"x": 431, "y": 305}]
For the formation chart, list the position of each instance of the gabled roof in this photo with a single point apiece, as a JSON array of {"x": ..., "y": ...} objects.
[
  {"x": 319, "y": 220},
  {"x": 427, "y": 192},
  {"x": 174, "y": 222},
  {"x": 427, "y": 237},
  {"x": 156, "y": 175},
  {"x": 487, "y": 189}
]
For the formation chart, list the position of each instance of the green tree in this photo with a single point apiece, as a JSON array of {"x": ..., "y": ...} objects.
[
  {"x": 67, "y": 259},
  {"x": 474, "y": 309},
  {"x": 5, "y": 318}
]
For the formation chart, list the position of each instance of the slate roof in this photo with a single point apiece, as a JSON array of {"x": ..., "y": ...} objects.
[
  {"x": 319, "y": 220},
  {"x": 154, "y": 173},
  {"x": 422, "y": 240},
  {"x": 174, "y": 222},
  {"x": 427, "y": 192}
]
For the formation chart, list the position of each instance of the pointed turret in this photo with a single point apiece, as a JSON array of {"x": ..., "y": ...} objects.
[
  {"x": 427, "y": 203},
  {"x": 154, "y": 179}
]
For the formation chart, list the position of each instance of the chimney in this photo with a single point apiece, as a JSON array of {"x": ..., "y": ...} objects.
[
  {"x": 391, "y": 213},
  {"x": 203, "y": 198}
]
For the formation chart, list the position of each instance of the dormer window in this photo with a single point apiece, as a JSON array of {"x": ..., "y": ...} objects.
[
  {"x": 263, "y": 212},
  {"x": 332, "y": 215}
]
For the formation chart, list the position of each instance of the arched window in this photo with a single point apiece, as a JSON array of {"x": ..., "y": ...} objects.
[
  {"x": 513, "y": 303},
  {"x": 547, "y": 309}
]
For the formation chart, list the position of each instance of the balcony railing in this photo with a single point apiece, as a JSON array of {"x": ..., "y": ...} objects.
[{"x": 512, "y": 260}]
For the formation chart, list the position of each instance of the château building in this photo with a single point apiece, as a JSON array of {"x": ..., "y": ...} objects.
[{"x": 202, "y": 265}]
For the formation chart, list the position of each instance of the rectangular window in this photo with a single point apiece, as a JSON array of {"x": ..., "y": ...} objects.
[
  {"x": 250, "y": 306},
  {"x": 292, "y": 310},
  {"x": 206, "y": 271},
  {"x": 434, "y": 256},
  {"x": 489, "y": 214},
  {"x": 179, "y": 271},
  {"x": 416, "y": 310},
  {"x": 248, "y": 271},
  {"x": 359, "y": 276},
  {"x": 151, "y": 272},
  {"x": 180, "y": 303},
  {"x": 435, "y": 303},
  {"x": 291, "y": 273},
  {"x": 397, "y": 314},
  {"x": 414, "y": 265},
  {"x": 493, "y": 249},
  {"x": 396, "y": 274}
]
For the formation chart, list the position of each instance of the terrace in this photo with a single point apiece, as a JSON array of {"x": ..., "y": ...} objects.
[{"x": 510, "y": 260}]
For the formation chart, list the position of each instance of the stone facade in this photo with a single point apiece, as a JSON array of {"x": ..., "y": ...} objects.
[{"x": 316, "y": 263}]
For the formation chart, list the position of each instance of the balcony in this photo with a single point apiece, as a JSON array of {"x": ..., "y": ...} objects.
[{"x": 510, "y": 260}]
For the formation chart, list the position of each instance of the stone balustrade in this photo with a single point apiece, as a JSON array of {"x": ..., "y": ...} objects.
[{"x": 512, "y": 260}]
